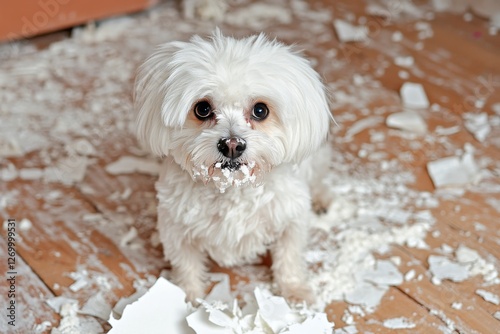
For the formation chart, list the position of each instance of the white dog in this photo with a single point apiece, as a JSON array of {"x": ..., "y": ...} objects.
[{"x": 237, "y": 122}]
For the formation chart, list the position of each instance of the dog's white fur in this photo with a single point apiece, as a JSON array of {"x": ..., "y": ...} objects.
[{"x": 235, "y": 223}]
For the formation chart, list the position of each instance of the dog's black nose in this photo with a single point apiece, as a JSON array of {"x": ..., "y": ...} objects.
[{"x": 232, "y": 147}]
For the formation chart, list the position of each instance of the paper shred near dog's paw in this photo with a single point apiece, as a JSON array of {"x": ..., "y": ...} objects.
[
  {"x": 162, "y": 309},
  {"x": 413, "y": 96},
  {"x": 263, "y": 312},
  {"x": 273, "y": 310},
  {"x": 200, "y": 322},
  {"x": 222, "y": 290},
  {"x": 125, "y": 301}
]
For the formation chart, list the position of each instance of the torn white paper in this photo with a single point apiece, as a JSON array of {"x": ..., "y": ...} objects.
[
  {"x": 450, "y": 6},
  {"x": 478, "y": 125},
  {"x": 81, "y": 281},
  {"x": 124, "y": 301},
  {"x": 367, "y": 295},
  {"x": 259, "y": 15},
  {"x": 25, "y": 224},
  {"x": 362, "y": 125},
  {"x": 31, "y": 173},
  {"x": 404, "y": 61},
  {"x": 408, "y": 120},
  {"x": 221, "y": 291},
  {"x": 384, "y": 273},
  {"x": 82, "y": 147},
  {"x": 443, "y": 268},
  {"x": 488, "y": 296},
  {"x": 72, "y": 323},
  {"x": 263, "y": 313},
  {"x": 9, "y": 147},
  {"x": 413, "y": 96},
  {"x": 398, "y": 323},
  {"x": 466, "y": 255},
  {"x": 127, "y": 238},
  {"x": 162, "y": 309},
  {"x": 129, "y": 164},
  {"x": 455, "y": 170},
  {"x": 199, "y": 321},
  {"x": 56, "y": 303},
  {"x": 68, "y": 170},
  {"x": 97, "y": 306},
  {"x": 347, "y": 32}
]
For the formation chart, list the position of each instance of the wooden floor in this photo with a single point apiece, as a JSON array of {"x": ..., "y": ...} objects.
[{"x": 78, "y": 228}]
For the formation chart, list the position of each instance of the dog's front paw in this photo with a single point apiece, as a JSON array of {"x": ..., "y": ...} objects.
[
  {"x": 192, "y": 294},
  {"x": 192, "y": 286},
  {"x": 298, "y": 293}
]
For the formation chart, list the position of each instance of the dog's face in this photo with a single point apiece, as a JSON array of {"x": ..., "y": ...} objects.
[{"x": 229, "y": 110}]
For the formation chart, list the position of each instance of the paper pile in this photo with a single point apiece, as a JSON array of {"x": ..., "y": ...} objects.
[{"x": 163, "y": 310}]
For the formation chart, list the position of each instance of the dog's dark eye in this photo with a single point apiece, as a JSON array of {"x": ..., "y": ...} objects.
[
  {"x": 260, "y": 111},
  {"x": 203, "y": 110}
]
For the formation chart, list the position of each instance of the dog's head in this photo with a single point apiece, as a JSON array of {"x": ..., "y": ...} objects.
[{"x": 228, "y": 110}]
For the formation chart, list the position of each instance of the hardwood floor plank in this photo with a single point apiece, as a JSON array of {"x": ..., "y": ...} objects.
[{"x": 30, "y": 293}]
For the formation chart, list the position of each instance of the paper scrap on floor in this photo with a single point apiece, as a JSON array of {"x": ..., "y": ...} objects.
[
  {"x": 163, "y": 309},
  {"x": 413, "y": 96},
  {"x": 347, "y": 32},
  {"x": 408, "y": 120},
  {"x": 455, "y": 170}
]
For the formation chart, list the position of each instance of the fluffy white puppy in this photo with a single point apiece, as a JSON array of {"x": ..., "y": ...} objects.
[{"x": 237, "y": 122}]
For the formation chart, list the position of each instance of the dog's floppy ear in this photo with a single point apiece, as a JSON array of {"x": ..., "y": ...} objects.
[
  {"x": 308, "y": 114},
  {"x": 150, "y": 98}
]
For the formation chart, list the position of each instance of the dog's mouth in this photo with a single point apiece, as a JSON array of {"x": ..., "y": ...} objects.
[
  {"x": 228, "y": 173},
  {"x": 231, "y": 165}
]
